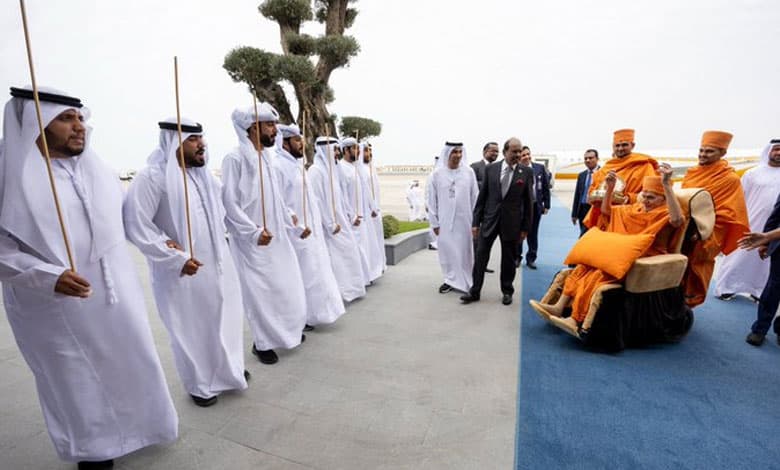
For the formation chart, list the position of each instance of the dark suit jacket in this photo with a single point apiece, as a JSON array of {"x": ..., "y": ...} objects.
[
  {"x": 509, "y": 215},
  {"x": 542, "y": 187},
  {"x": 479, "y": 171},
  {"x": 579, "y": 207},
  {"x": 772, "y": 223}
]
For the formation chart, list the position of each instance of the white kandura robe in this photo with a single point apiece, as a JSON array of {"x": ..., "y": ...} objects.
[
  {"x": 452, "y": 196},
  {"x": 354, "y": 201},
  {"x": 374, "y": 251},
  {"x": 342, "y": 247},
  {"x": 98, "y": 376},
  {"x": 271, "y": 282},
  {"x": 416, "y": 201},
  {"x": 379, "y": 229},
  {"x": 202, "y": 313},
  {"x": 324, "y": 304},
  {"x": 742, "y": 271}
]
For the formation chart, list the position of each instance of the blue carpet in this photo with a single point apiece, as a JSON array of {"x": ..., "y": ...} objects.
[{"x": 701, "y": 404}]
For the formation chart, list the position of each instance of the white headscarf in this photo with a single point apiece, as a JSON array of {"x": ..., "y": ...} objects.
[
  {"x": 285, "y": 131},
  {"x": 328, "y": 163},
  {"x": 321, "y": 150},
  {"x": 444, "y": 156},
  {"x": 249, "y": 184},
  {"x": 27, "y": 209},
  {"x": 348, "y": 142},
  {"x": 764, "y": 160},
  {"x": 166, "y": 158}
]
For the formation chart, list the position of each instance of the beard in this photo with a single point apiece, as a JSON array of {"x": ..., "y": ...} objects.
[
  {"x": 296, "y": 153},
  {"x": 196, "y": 159},
  {"x": 194, "y": 163},
  {"x": 267, "y": 140}
]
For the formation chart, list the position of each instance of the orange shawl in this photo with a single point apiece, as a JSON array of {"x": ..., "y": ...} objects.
[
  {"x": 584, "y": 280},
  {"x": 731, "y": 222},
  {"x": 631, "y": 169}
]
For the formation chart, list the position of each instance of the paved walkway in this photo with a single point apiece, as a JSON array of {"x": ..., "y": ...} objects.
[{"x": 408, "y": 378}]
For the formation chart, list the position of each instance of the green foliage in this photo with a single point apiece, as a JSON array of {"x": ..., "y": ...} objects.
[
  {"x": 365, "y": 127},
  {"x": 261, "y": 68},
  {"x": 390, "y": 225},
  {"x": 350, "y": 19},
  {"x": 253, "y": 66},
  {"x": 321, "y": 13},
  {"x": 287, "y": 12},
  {"x": 408, "y": 225},
  {"x": 337, "y": 50},
  {"x": 301, "y": 44},
  {"x": 298, "y": 70}
]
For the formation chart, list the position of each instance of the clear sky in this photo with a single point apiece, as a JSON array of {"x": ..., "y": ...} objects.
[{"x": 559, "y": 74}]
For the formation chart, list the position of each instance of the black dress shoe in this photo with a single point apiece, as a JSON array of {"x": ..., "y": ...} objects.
[
  {"x": 531, "y": 265},
  {"x": 444, "y": 288},
  {"x": 468, "y": 298},
  {"x": 308, "y": 327},
  {"x": 266, "y": 357},
  {"x": 431, "y": 247},
  {"x": 506, "y": 299},
  {"x": 755, "y": 339},
  {"x": 725, "y": 296},
  {"x": 247, "y": 375},
  {"x": 96, "y": 465},
  {"x": 303, "y": 338},
  {"x": 489, "y": 271},
  {"x": 203, "y": 402}
]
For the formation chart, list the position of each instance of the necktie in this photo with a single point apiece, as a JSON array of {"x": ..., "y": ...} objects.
[
  {"x": 584, "y": 198},
  {"x": 506, "y": 180}
]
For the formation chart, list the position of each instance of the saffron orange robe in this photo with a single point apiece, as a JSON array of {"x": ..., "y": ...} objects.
[
  {"x": 628, "y": 219},
  {"x": 731, "y": 222},
  {"x": 632, "y": 170}
]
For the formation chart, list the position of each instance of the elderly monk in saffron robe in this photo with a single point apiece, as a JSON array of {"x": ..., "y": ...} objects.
[
  {"x": 731, "y": 217},
  {"x": 629, "y": 166},
  {"x": 657, "y": 213}
]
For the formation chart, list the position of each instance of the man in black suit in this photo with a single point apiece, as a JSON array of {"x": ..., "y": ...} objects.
[
  {"x": 768, "y": 244},
  {"x": 489, "y": 155},
  {"x": 541, "y": 194},
  {"x": 580, "y": 206},
  {"x": 503, "y": 210}
]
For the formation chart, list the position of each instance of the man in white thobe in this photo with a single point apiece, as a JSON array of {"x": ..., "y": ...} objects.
[
  {"x": 373, "y": 186},
  {"x": 198, "y": 294},
  {"x": 375, "y": 251},
  {"x": 452, "y": 195},
  {"x": 326, "y": 188},
  {"x": 258, "y": 222},
  {"x": 84, "y": 333},
  {"x": 416, "y": 201},
  {"x": 742, "y": 271},
  {"x": 354, "y": 197},
  {"x": 323, "y": 298}
]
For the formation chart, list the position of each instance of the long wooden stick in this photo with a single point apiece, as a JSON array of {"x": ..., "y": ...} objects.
[
  {"x": 371, "y": 175},
  {"x": 46, "y": 155},
  {"x": 330, "y": 170},
  {"x": 357, "y": 175},
  {"x": 260, "y": 158},
  {"x": 303, "y": 169},
  {"x": 182, "y": 164}
]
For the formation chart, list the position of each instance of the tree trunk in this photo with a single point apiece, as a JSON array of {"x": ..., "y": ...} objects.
[
  {"x": 274, "y": 94},
  {"x": 318, "y": 122}
]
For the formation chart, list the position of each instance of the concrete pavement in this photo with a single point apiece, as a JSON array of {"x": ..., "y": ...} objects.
[{"x": 407, "y": 379}]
